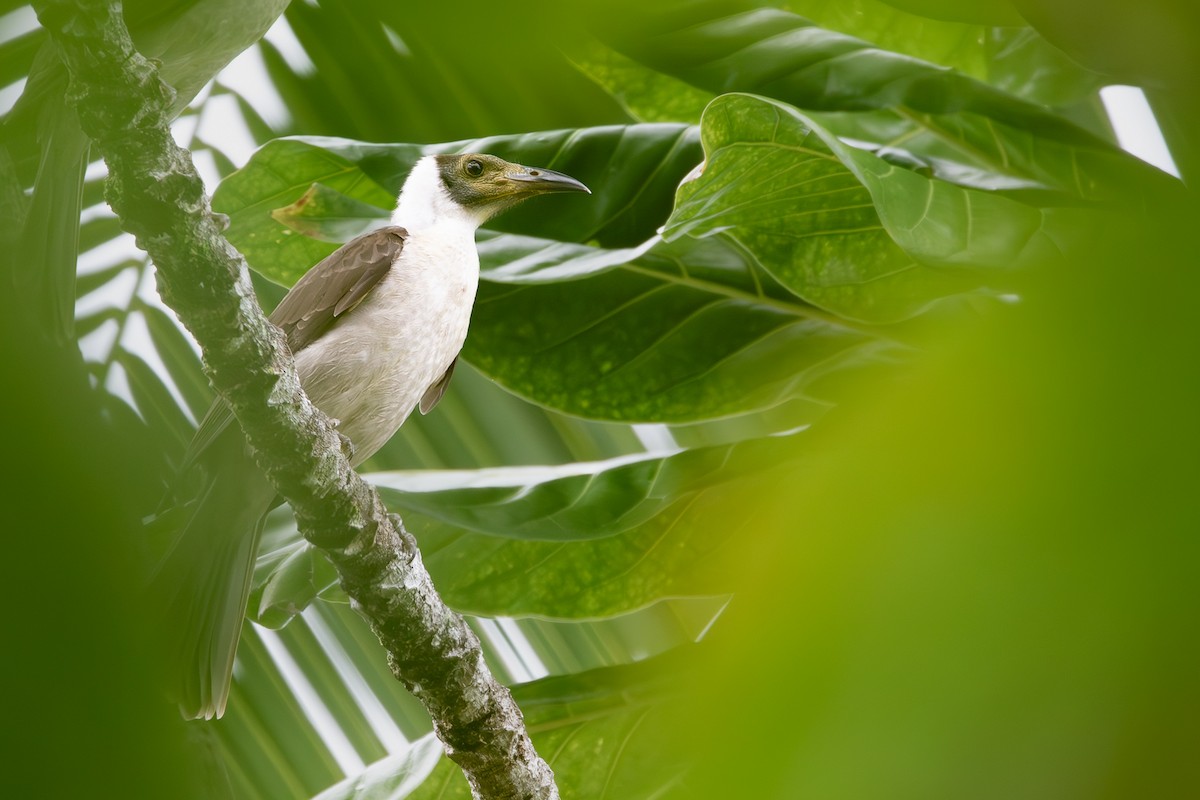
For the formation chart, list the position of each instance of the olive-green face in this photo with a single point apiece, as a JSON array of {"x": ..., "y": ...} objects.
[{"x": 476, "y": 180}]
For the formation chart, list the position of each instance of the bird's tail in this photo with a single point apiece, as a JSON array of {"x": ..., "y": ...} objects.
[{"x": 202, "y": 586}]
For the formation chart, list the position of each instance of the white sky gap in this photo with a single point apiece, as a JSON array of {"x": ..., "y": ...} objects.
[
  {"x": 314, "y": 708},
  {"x": 503, "y": 650},
  {"x": 377, "y": 716},
  {"x": 522, "y": 647},
  {"x": 1137, "y": 129}
]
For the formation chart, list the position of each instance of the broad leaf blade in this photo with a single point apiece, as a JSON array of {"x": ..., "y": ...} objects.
[
  {"x": 636, "y": 344},
  {"x": 839, "y": 226}
]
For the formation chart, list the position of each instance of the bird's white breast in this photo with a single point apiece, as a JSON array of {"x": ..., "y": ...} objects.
[{"x": 370, "y": 370}]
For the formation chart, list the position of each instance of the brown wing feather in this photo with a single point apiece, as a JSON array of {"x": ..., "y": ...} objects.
[
  {"x": 438, "y": 388},
  {"x": 334, "y": 286},
  {"x": 337, "y": 284}
]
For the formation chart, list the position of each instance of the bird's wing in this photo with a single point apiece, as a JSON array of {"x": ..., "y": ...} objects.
[
  {"x": 438, "y": 388},
  {"x": 335, "y": 285}
]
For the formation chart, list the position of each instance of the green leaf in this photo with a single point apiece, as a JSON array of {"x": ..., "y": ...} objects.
[
  {"x": 839, "y": 226},
  {"x": 639, "y": 343},
  {"x": 511, "y": 258},
  {"x": 716, "y": 46},
  {"x": 677, "y": 553},
  {"x": 1008, "y": 55},
  {"x": 1015, "y": 59},
  {"x": 647, "y": 95},
  {"x": 959, "y": 45},
  {"x": 1022, "y": 63}
]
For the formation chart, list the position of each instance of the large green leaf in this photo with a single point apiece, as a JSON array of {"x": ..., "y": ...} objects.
[
  {"x": 639, "y": 344},
  {"x": 1015, "y": 59},
  {"x": 839, "y": 226},
  {"x": 723, "y": 47}
]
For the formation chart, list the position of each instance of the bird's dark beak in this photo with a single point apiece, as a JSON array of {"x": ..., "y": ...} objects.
[{"x": 535, "y": 180}]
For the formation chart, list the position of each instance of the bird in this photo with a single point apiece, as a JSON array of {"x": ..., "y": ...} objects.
[{"x": 375, "y": 328}]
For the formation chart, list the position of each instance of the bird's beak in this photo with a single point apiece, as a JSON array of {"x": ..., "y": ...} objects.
[{"x": 535, "y": 180}]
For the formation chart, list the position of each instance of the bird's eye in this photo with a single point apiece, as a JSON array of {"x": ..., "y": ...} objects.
[{"x": 474, "y": 168}]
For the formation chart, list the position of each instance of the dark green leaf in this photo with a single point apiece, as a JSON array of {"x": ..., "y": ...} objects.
[
  {"x": 637, "y": 344},
  {"x": 678, "y": 553},
  {"x": 540, "y": 541}
]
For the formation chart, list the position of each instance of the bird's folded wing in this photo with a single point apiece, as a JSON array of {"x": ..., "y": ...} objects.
[
  {"x": 336, "y": 285},
  {"x": 438, "y": 388}
]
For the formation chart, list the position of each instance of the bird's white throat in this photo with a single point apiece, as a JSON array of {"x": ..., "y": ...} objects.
[{"x": 424, "y": 202}]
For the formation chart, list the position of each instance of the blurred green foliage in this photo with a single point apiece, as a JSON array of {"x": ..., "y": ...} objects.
[{"x": 986, "y": 587}]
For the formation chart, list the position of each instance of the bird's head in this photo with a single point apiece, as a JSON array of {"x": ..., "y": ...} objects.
[{"x": 476, "y": 185}]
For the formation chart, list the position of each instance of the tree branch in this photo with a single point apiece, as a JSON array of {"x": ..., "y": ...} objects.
[{"x": 159, "y": 197}]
